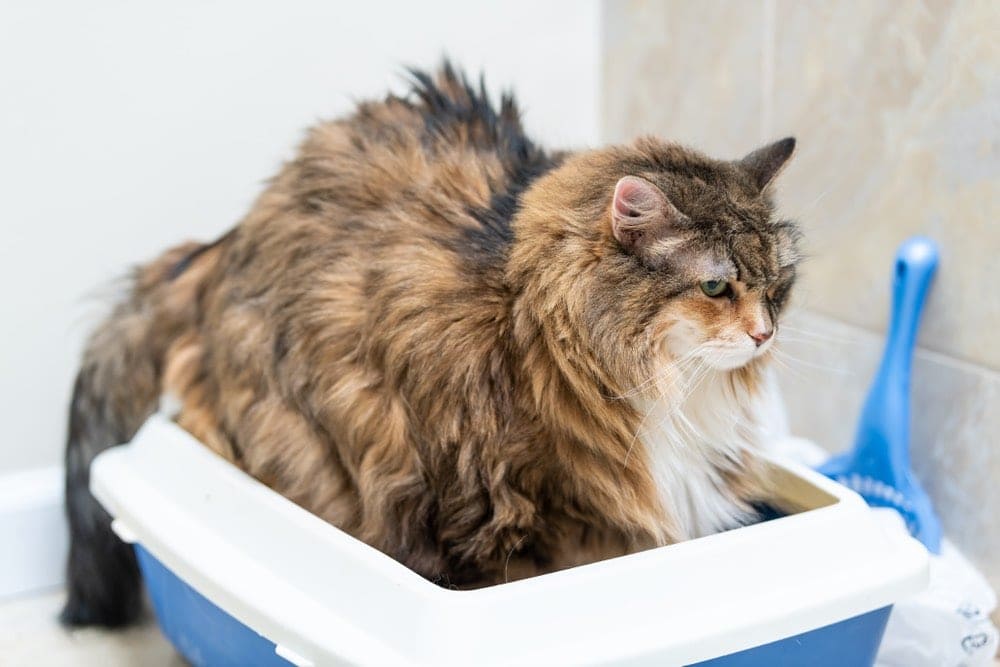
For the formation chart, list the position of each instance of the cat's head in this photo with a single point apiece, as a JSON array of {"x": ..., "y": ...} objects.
[
  {"x": 667, "y": 253},
  {"x": 705, "y": 231}
]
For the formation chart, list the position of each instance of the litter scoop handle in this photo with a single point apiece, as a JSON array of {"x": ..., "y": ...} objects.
[{"x": 916, "y": 262}]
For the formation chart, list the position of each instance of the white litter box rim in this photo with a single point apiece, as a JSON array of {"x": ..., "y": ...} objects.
[{"x": 325, "y": 597}]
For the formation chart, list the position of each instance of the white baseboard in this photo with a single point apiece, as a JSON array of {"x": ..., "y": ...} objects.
[{"x": 32, "y": 531}]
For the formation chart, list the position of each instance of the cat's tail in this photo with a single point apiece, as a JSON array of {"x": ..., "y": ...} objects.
[{"x": 117, "y": 388}]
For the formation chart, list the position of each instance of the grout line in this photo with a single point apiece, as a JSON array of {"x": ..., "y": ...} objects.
[
  {"x": 930, "y": 355},
  {"x": 769, "y": 20},
  {"x": 601, "y": 134}
]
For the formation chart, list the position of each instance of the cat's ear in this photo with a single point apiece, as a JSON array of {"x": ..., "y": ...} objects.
[
  {"x": 764, "y": 164},
  {"x": 641, "y": 214}
]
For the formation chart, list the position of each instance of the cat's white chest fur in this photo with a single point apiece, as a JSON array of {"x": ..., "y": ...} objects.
[{"x": 687, "y": 441}]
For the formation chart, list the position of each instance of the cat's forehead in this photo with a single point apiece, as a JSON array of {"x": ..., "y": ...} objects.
[
  {"x": 717, "y": 194},
  {"x": 754, "y": 257},
  {"x": 700, "y": 261}
]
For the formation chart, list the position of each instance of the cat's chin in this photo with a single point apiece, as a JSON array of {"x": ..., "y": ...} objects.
[
  {"x": 735, "y": 360},
  {"x": 735, "y": 357},
  {"x": 733, "y": 364}
]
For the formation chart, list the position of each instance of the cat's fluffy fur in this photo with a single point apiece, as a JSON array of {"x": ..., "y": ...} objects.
[{"x": 438, "y": 336}]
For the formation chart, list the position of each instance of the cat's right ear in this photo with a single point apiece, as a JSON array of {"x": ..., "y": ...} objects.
[
  {"x": 764, "y": 164},
  {"x": 641, "y": 214}
]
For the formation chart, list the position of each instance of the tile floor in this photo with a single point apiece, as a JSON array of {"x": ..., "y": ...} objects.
[{"x": 30, "y": 635}]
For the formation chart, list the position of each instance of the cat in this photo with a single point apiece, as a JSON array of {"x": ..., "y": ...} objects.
[{"x": 483, "y": 358}]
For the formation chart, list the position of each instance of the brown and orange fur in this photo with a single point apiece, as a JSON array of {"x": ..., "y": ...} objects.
[{"x": 422, "y": 332}]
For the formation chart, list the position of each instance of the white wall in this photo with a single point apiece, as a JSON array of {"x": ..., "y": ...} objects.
[{"x": 126, "y": 127}]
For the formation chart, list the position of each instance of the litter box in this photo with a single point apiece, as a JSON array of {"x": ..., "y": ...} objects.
[{"x": 239, "y": 575}]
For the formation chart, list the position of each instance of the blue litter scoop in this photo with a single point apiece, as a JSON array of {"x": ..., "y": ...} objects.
[{"x": 878, "y": 467}]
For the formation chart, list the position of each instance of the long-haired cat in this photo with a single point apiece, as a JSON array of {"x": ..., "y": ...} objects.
[{"x": 487, "y": 360}]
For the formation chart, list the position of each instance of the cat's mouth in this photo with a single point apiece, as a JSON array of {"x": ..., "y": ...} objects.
[
  {"x": 731, "y": 362},
  {"x": 726, "y": 351},
  {"x": 731, "y": 356}
]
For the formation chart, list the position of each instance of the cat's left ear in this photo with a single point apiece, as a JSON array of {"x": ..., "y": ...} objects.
[
  {"x": 764, "y": 164},
  {"x": 641, "y": 214}
]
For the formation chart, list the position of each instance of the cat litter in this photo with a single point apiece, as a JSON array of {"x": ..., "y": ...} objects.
[{"x": 239, "y": 575}]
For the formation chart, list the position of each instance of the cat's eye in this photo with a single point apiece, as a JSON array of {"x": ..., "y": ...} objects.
[{"x": 714, "y": 288}]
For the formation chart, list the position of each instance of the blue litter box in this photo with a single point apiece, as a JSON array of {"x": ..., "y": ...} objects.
[{"x": 239, "y": 575}]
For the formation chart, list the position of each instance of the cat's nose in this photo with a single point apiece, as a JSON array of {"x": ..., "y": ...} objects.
[{"x": 760, "y": 337}]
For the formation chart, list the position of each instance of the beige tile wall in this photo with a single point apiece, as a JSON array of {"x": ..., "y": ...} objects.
[{"x": 896, "y": 106}]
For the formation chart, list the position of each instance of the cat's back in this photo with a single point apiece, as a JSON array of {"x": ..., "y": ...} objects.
[
  {"x": 443, "y": 166},
  {"x": 365, "y": 284},
  {"x": 381, "y": 247},
  {"x": 394, "y": 219}
]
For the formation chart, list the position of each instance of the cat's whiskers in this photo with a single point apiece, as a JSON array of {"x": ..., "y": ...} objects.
[
  {"x": 677, "y": 368},
  {"x": 809, "y": 333},
  {"x": 506, "y": 564},
  {"x": 676, "y": 402},
  {"x": 659, "y": 375},
  {"x": 808, "y": 208},
  {"x": 773, "y": 356},
  {"x": 704, "y": 370},
  {"x": 790, "y": 358},
  {"x": 785, "y": 338}
]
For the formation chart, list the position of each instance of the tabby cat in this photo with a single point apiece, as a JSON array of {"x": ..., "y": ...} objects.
[{"x": 485, "y": 359}]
